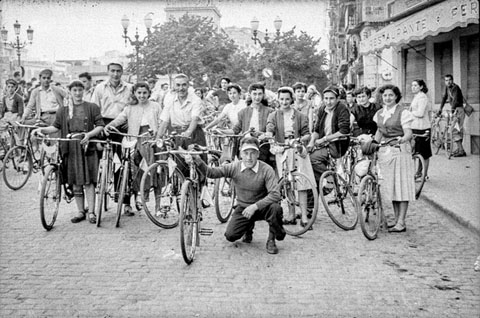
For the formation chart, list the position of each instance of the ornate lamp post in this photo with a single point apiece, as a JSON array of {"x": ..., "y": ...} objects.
[
  {"x": 17, "y": 44},
  {"x": 137, "y": 43},
  {"x": 254, "y": 24}
]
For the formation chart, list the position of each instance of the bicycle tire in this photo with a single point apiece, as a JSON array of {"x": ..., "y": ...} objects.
[
  {"x": 419, "y": 164},
  {"x": 50, "y": 197},
  {"x": 212, "y": 163},
  {"x": 122, "y": 181},
  {"x": 370, "y": 207},
  {"x": 339, "y": 200},
  {"x": 290, "y": 201},
  {"x": 164, "y": 210},
  {"x": 435, "y": 139},
  {"x": 448, "y": 142},
  {"x": 224, "y": 199},
  {"x": 17, "y": 167},
  {"x": 189, "y": 222},
  {"x": 100, "y": 191}
]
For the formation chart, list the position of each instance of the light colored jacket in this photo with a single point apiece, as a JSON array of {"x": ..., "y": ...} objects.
[
  {"x": 133, "y": 115},
  {"x": 34, "y": 103}
]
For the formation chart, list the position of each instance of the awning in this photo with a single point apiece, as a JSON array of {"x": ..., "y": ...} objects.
[{"x": 440, "y": 18}]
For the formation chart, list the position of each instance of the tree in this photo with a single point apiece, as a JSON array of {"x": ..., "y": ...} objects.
[
  {"x": 190, "y": 45},
  {"x": 294, "y": 58}
]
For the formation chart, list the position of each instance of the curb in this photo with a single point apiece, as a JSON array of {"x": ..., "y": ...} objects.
[{"x": 460, "y": 220}]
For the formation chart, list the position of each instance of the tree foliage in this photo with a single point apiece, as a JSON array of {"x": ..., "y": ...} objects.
[
  {"x": 190, "y": 45},
  {"x": 193, "y": 45},
  {"x": 294, "y": 58}
]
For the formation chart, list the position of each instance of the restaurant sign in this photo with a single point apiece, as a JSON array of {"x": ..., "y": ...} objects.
[{"x": 442, "y": 17}]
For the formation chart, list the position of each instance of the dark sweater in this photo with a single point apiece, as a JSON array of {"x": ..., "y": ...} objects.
[{"x": 259, "y": 188}]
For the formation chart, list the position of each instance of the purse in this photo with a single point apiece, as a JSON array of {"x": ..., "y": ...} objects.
[{"x": 467, "y": 108}]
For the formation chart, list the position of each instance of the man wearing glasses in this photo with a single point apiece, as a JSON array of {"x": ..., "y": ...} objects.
[{"x": 45, "y": 100}]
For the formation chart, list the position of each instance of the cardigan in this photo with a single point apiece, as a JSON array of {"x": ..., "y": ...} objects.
[
  {"x": 340, "y": 122},
  {"x": 275, "y": 124},
  {"x": 133, "y": 115},
  {"x": 245, "y": 115},
  {"x": 17, "y": 106},
  {"x": 34, "y": 103}
]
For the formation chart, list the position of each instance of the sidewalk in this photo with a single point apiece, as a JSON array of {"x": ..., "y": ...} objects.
[{"x": 454, "y": 188}]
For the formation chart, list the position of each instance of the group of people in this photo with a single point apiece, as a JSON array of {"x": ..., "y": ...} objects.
[{"x": 299, "y": 111}]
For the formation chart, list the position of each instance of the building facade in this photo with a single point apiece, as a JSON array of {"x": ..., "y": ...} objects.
[{"x": 403, "y": 40}]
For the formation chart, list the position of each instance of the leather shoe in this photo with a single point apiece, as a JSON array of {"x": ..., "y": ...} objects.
[
  {"x": 247, "y": 238},
  {"x": 272, "y": 247},
  {"x": 397, "y": 229},
  {"x": 280, "y": 234},
  {"x": 80, "y": 217},
  {"x": 460, "y": 154}
]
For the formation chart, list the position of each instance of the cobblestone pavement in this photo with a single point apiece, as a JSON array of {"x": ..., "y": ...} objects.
[{"x": 78, "y": 270}]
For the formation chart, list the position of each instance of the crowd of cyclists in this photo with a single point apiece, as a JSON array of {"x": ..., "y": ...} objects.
[{"x": 333, "y": 117}]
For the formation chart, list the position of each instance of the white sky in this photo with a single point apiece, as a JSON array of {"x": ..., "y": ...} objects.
[{"x": 79, "y": 29}]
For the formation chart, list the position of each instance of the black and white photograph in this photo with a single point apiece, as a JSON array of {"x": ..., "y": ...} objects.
[{"x": 239, "y": 158}]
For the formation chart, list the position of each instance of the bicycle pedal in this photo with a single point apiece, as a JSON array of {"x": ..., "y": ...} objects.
[{"x": 206, "y": 232}]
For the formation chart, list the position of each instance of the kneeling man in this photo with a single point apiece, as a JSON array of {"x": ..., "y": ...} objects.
[{"x": 258, "y": 195}]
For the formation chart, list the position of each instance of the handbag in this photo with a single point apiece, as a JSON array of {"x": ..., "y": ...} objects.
[{"x": 467, "y": 108}]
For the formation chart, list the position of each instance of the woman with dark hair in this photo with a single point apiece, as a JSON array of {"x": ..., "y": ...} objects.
[
  {"x": 395, "y": 163},
  {"x": 230, "y": 111},
  {"x": 81, "y": 164},
  {"x": 142, "y": 115},
  {"x": 288, "y": 122},
  {"x": 363, "y": 113},
  {"x": 421, "y": 109}
]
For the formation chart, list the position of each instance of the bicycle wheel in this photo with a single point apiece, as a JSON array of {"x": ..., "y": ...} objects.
[
  {"x": 160, "y": 193},
  {"x": 224, "y": 198},
  {"x": 211, "y": 183},
  {"x": 291, "y": 192},
  {"x": 100, "y": 190},
  {"x": 50, "y": 196},
  {"x": 189, "y": 222},
  {"x": 448, "y": 142},
  {"x": 435, "y": 139},
  {"x": 370, "y": 207},
  {"x": 122, "y": 189},
  {"x": 17, "y": 167},
  {"x": 419, "y": 164},
  {"x": 338, "y": 200}
]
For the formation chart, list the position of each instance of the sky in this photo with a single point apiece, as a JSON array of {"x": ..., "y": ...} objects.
[{"x": 80, "y": 29}]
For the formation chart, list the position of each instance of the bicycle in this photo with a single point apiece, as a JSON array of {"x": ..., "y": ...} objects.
[
  {"x": 51, "y": 186},
  {"x": 294, "y": 184},
  {"x": 21, "y": 160},
  {"x": 125, "y": 180},
  {"x": 224, "y": 192},
  {"x": 370, "y": 208},
  {"x": 190, "y": 210},
  {"x": 336, "y": 193},
  {"x": 164, "y": 179},
  {"x": 442, "y": 133},
  {"x": 419, "y": 164},
  {"x": 105, "y": 188}
]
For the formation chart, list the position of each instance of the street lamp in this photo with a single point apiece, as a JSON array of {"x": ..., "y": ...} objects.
[
  {"x": 137, "y": 43},
  {"x": 254, "y": 24},
  {"x": 17, "y": 44}
]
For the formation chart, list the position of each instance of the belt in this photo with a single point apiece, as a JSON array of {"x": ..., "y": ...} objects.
[
  {"x": 181, "y": 128},
  {"x": 49, "y": 112}
]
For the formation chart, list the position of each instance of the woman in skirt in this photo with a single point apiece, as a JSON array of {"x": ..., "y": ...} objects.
[
  {"x": 421, "y": 110},
  {"x": 395, "y": 163},
  {"x": 80, "y": 158},
  {"x": 283, "y": 123}
]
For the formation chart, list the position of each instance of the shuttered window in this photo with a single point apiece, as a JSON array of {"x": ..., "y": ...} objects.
[
  {"x": 415, "y": 67},
  {"x": 470, "y": 47},
  {"x": 443, "y": 66}
]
